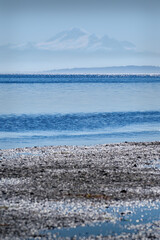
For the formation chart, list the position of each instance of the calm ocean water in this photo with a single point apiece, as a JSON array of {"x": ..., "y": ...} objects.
[{"x": 40, "y": 110}]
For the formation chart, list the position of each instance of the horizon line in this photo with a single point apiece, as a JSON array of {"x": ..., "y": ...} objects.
[{"x": 46, "y": 72}]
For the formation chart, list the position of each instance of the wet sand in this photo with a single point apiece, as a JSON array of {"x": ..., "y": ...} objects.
[{"x": 67, "y": 186}]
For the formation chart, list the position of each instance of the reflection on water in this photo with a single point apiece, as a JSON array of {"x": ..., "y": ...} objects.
[
  {"x": 129, "y": 218},
  {"x": 152, "y": 164}
]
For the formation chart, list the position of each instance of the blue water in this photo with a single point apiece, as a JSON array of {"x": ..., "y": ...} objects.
[
  {"x": 39, "y": 110},
  {"x": 126, "y": 218}
]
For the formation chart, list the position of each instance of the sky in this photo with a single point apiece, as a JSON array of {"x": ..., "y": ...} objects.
[{"x": 39, "y": 35}]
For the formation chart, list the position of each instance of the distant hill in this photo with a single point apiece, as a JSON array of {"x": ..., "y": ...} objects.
[{"x": 109, "y": 70}]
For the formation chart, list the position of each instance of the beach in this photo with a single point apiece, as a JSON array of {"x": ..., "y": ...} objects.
[
  {"x": 43, "y": 188},
  {"x": 80, "y": 120}
]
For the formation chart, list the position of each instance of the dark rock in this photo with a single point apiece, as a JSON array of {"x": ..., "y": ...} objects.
[{"x": 123, "y": 191}]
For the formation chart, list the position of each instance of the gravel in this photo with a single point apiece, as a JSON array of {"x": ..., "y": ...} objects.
[{"x": 66, "y": 186}]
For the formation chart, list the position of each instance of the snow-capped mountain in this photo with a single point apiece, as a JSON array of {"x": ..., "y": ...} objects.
[
  {"x": 78, "y": 39},
  {"x": 75, "y": 40}
]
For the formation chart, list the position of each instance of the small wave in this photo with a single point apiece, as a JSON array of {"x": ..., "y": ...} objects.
[
  {"x": 85, "y": 135},
  {"x": 78, "y": 78},
  {"x": 76, "y": 139},
  {"x": 76, "y": 121}
]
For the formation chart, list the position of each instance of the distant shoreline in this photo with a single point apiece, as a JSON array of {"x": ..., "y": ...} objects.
[{"x": 113, "y": 70}]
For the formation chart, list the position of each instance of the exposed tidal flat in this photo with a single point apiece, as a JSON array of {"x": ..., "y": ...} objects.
[{"x": 108, "y": 191}]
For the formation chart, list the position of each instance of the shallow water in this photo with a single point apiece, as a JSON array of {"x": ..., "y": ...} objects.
[
  {"x": 129, "y": 218},
  {"x": 152, "y": 164}
]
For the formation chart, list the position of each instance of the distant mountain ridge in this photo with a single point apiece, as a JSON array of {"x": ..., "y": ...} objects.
[
  {"x": 109, "y": 70},
  {"x": 75, "y": 40}
]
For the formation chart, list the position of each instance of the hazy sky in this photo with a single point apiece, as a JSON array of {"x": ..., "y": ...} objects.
[{"x": 23, "y": 21}]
